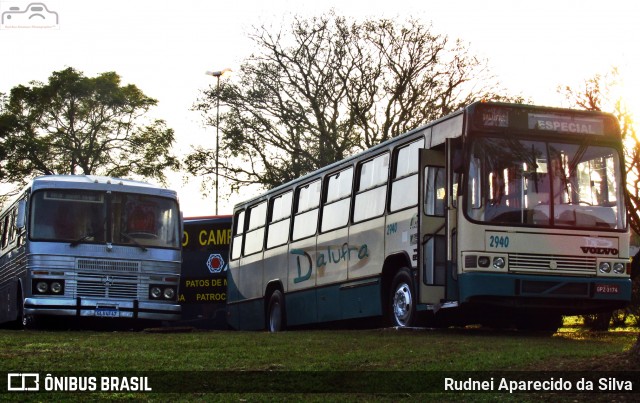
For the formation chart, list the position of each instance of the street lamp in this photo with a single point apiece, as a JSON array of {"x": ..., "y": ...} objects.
[{"x": 217, "y": 75}]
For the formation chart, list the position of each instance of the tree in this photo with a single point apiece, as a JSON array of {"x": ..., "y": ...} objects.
[
  {"x": 329, "y": 87},
  {"x": 80, "y": 125},
  {"x": 597, "y": 94}
]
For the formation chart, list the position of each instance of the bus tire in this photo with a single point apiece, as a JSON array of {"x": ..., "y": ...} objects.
[
  {"x": 17, "y": 324},
  {"x": 276, "y": 320},
  {"x": 29, "y": 322},
  {"x": 402, "y": 304}
]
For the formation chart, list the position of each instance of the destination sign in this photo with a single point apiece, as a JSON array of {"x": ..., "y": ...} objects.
[
  {"x": 566, "y": 124},
  {"x": 500, "y": 117}
]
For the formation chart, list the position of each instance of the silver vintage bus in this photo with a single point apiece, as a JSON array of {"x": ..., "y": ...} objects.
[{"x": 89, "y": 246}]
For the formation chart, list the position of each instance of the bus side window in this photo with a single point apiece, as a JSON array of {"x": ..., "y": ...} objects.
[
  {"x": 238, "y": 236},
  {"x": 5, "y": 231},
  {"x": 279, "y": 220},
  {"x": 435, "y": 191},
  {"x": 372, "y": 188},
  {"x": 254, "y": 239},
  {"x": 305, "y": 221},
  {"x": 335, "y": 213},
  {"x": 405, "y": 177}
]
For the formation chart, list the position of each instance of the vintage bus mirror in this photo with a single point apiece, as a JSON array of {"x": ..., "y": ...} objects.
[
  {"x": 22, "y": 214},
  {"x": 181, "y": 223}
]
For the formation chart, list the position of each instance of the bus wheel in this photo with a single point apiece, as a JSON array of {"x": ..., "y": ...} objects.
[
  {"x": 29, "y": 321},
  {"x": 402, "y": 305},
  {"x": 275, "y": 312}
]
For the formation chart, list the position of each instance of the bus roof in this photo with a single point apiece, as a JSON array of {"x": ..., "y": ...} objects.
[
  {"x": 103, "y": 183},
  {"x": 470, "y": 108}
]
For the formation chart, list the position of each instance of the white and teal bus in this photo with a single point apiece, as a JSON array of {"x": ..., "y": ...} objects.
[
  {"x": 88, "y": 246},
  {"x": 501, "y": 214}
]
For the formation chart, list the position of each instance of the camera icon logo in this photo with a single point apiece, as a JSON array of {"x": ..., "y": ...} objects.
[{"x": 35, "y": 15}]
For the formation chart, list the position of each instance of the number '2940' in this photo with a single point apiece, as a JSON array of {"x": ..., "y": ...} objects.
[{"x": 498, "y": 241}]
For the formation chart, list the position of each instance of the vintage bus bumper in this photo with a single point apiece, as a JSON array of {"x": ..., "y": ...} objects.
[
  {"x": 87, "y": 307},
  {"x": 565, "y": 295}
]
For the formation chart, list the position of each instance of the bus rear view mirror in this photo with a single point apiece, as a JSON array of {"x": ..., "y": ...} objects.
[{"x": 22, "y": 214}]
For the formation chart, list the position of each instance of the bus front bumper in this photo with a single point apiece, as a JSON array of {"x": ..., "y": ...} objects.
[
  {"x": 88, "y": 307},
  {"x": 566, "y": 295}
]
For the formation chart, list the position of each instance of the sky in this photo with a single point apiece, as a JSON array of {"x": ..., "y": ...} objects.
[{"x": 164, "y": 48}]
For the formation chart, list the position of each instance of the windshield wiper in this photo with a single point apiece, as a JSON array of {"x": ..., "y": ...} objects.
[
  {"x": 82, "y": 239},
  {"x": 133, "y": 241}
]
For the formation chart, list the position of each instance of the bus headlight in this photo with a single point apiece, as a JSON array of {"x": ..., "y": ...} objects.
[
  {"x": 483, "y": 261},
  {"x": 169, "y": 293},
  {"x": 56, "y": 287},
  {"x": 42, "y": 287},
  {"x": 498, "y": 262},
  {"x": 605, "y": 267},
  {"x": 155, "y": 292},
  {"x": 619, "y": 268}
]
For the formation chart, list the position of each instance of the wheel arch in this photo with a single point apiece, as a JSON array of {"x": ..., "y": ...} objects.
[
  {"x": 272, "y": 286},
  {"x": 392, "y": 264}
]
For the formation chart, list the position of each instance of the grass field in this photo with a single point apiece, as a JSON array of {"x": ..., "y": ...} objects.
[{"x": 381, "y": 364}]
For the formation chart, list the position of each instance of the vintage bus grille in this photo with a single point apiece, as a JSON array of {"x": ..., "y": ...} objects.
[
  {"x": 552, "y": 263},
  {"x": 108, "y": 265},
  {"x": 107, "y": 285}
]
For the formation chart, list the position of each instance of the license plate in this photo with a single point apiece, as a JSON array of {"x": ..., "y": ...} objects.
[
  {"x": 607, "y": 289},
  {"x": 107, "y": 312}
]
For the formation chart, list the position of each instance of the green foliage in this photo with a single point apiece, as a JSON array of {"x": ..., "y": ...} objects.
[
  {"x": 327, "y": 87},
  {"x": 81, "y": 125}
]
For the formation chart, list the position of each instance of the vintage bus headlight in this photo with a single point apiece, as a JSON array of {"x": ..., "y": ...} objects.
[
  {"x": 42, "y": 287},
  {"x": 483, "y": 261},
  {"x": 619, "y": 268},
  {"x": 499, "y": 262},
  {"x": 169, "y": 293},
  {"x": 605, "y": 267},
  {"x": 56, "y": 287},
  {"x": 155, "y": 292}
]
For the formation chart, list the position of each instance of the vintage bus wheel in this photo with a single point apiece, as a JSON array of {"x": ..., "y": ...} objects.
[
  {"x": 402, "y": 304},
  {"x": 275, "y": 312},
  {"x": 29, "y": 321}
]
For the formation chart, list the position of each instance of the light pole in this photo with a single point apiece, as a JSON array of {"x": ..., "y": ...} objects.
[{"x": 217, "y": 75}]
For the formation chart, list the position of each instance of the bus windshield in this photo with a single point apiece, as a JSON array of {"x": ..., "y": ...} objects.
[
  {"x": 540, "y": 183},
  {"x": 81, "y": 216}
]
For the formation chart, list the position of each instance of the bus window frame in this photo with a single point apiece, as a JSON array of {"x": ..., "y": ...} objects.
[
  {"x": 236, "y": 221},
  {"x": 250, "y": 230},
  {"x": 341, "y": 198},
  {"x": 395, "y": 178},
  {"x": 374, "y": 187},
  {"x": 295, "y": 213},
  {"x": 271, "y": 221}
]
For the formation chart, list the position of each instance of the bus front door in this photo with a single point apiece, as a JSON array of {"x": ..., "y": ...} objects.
[{"x": 432, "y": 245}]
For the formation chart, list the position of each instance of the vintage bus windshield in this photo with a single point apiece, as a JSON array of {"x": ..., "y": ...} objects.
[
  {"x": 540, "y": 183},
  {"x": 79, "y": 216}
]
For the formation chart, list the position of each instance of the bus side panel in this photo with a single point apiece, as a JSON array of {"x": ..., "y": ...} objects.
[
  {"x": 402, "y": 234},
  {"x": 366, "y": 248},
  {"x": 250, "y": 280},
  {"x": 361, "y": 299},
  {"x": 331, "y": 261},
  {"x": 249, "y": 315},
  {"x": 8, "y": 295},
  {"x": 301, "y": 307},
  {"x": 276, "y": 267},
  {"x": 13, "y": 267},
  {"x": 233, "y": 295}
]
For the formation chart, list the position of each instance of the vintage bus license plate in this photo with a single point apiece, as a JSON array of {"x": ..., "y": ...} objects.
[
  {"x": 107, "y": 312},
  {"x": 607, "y": 289}
]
